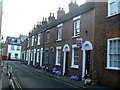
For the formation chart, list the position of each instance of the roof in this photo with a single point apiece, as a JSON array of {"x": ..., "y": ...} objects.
[
  {"x": 12, "y": 40},
  {"x": 80, "y": 10}
]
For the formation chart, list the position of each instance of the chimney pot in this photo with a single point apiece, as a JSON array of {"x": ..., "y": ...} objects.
[
  {"x": 75, "y": 1},
  {"x": 43, "y": 18},
  {"x": 50, "y": 13},
  {"x": 53, "y": 14},
  {"x": 59, "y": 8}
]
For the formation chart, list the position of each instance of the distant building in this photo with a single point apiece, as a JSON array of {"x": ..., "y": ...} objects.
[{"x": 13, "y": 48}]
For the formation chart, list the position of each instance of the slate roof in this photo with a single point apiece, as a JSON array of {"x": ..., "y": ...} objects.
[{"x": 78, "y": 11}]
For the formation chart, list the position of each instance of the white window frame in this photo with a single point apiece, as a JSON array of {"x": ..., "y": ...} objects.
[
  {"x": 59, "y": 32},
  {"x": 47, "y": 36},
  {"x": 18, "y": 47},
  {"x": 28, "y": 42},
  {"x": 38, "y": 56},
  {"x": 116, "y": 8},
  {"x": 58, "y": 48},
  {"x": 12, "y": 47},
  {"x": 39, "y": 37},
  {"x": 72, "y": 63},
  {"x": 108, "y": 54},
  {"x": 33, "y": 37},
  {"x": 76, "y": 19}
]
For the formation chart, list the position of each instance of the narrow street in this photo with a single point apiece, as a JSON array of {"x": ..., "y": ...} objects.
[{"x": 29, "y": 78}]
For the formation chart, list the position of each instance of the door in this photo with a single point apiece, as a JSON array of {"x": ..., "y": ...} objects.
[
  {"x": 66, "y": 64},
  {"x": 9, "y": 56},
  {"x": 87, "y": 63},
  {"x": 51, "y": 59}
]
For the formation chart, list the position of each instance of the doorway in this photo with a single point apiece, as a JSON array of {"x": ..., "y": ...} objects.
[
  {"x": 87, "y": 62},
  {"x": 51, "y": 58},
  {"x": 66, "y": 50},
  {"x": 87, "y": 48},
  {"x": 66, "y": 64}
]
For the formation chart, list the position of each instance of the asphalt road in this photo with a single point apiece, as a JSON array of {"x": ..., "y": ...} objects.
[{"x": 29, "y": 78}]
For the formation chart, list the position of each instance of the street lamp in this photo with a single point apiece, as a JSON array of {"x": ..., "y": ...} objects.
[{"x": 1, "y": 38}]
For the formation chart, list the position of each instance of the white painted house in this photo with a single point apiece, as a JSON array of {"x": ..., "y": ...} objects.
[{"x": 13, "y": 49}]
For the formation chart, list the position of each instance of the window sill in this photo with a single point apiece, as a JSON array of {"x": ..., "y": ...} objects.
[
  {"x": 76, "y": 67},
  {"x": 109, "y": 16},
  {"x": 112, "y": 68},
  {"x": 75, "y": 36},
  {"x": 59, "y": 40},
  {"x": 47, "y": 43},
  {"x": 57, "y": 64}
]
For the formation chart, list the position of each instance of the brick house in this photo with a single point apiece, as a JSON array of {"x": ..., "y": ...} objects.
[
  {"x": 55, "y": 43},
  {"x": 107, "y": 43}
]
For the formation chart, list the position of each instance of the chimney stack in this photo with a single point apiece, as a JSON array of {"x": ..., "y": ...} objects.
[
  {"x": 72, "y": 5},
  {"x": 44, "y": 22},
  {"x": 51, "y": 17},
  {"x": 60, "y": 12}
]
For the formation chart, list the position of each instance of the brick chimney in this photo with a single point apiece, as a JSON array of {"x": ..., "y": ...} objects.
[
  {"x": 51, "y": 17},
  {"x": 60, "y": 12},
  {"x": 72, "y": 5},
  {"x": 44, "y": 22}
]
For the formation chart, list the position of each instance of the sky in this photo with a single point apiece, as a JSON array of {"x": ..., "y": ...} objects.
[{"x": 20, "y": 16}]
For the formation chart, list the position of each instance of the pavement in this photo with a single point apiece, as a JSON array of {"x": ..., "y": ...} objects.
[
  {"x": 74, "y": 83},
  {"x": 64, "y": 79}
]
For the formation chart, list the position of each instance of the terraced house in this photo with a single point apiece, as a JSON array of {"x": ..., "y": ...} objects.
[{"x": 86, "y": 40}]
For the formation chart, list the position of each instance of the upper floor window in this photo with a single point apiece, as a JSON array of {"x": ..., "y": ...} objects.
[
  {"x": 18, "y": 47},
  {"x": 113, "y": 7},
  {"x": 76, "y": 24},
  {"x": 113, "y": 53},
  {"x": 47, "y": 36},
  {"x": 33, "y": 37},
  {"x": 28, "y": 42},
  {"x": 38, "y": 42},
  {"x": 75, "y": 56},
  {"x": 12, "y": 47},
  {"x": 59, "y": 31}
]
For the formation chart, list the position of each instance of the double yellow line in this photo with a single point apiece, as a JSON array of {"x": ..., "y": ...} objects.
[{"x": 16, "y": 81}]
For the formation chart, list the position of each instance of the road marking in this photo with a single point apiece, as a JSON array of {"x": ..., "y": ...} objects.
[{"x": 17, "y": 82}]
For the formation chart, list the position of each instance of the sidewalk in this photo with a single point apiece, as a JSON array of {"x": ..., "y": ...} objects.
[
  {"x": 5, "y": 79},
  {"x": 76, "y": 84}
]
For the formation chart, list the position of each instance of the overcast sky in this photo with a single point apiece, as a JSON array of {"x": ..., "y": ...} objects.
[{"x": 20, "y": 16}]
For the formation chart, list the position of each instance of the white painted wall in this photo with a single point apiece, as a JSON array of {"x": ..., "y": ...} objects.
[{"x": 13, "y": 52}]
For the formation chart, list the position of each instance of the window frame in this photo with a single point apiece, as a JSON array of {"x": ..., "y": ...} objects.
[
  {"x": 39, "y": 38},
  {"x": 72, "y": 63},
  {"x": 28, "y": 42},
  {"x": 12, "y": 47},
  {"x": 108, "y": 54},
  {"x": 33, "y": 39},
  {"x": 116, "y": 10},
  {"x": 47, "y": 36},
  {"x": 59, "y": 28},
  {"x": 58, "y": 62},
  {"x": 76, "y": 19}
]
